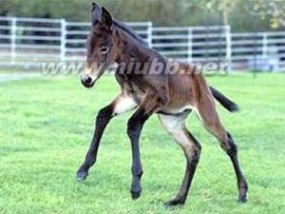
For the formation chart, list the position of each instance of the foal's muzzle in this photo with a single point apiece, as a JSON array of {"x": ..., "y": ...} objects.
[{"x": 87, "y": 81}]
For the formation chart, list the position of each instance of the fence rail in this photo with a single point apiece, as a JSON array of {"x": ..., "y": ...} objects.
[{"x": 29, "y": 41}]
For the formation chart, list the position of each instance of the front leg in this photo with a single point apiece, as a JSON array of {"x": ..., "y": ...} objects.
[
  {"x": 121, "y": 104},
  {"x": 135, "y": 125}
]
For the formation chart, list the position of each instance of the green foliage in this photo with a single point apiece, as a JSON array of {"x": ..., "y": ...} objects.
[
  {"x": 242, "y": 15},
  {"x": 46, "y": 125}
]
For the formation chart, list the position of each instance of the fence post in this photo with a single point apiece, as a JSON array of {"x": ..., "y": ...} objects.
[
  {"x": 149, "y": 34},
  {"x": 264, "y": 45},
  {"x": 13, "y": 40},
  {"x": 62, "y": 39},
  {"x": 228, "y": 48},
  {"x": 189, "y": 49}
]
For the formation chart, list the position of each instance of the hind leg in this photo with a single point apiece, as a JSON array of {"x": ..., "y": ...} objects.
[
  {"x": 175, "y": 126},
  {"x": 208, "y": 114}
]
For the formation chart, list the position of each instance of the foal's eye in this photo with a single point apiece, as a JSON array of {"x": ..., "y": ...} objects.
[{"x": 104, "y": 49}]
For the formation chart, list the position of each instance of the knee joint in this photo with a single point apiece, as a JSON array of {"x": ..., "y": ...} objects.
[
  {"x": 193, "y": 155},
  {"x": 104, "y": 115},
  {"x": 196, "y": 154},
  {"x": 232, "y": 149},
  {"x": 133, "y": 130},
  {"x": 229, "y": 146},
  {"x": 137, "y": 172}
]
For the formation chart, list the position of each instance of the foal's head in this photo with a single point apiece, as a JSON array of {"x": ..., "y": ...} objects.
[{"x": 101, "y": 44}]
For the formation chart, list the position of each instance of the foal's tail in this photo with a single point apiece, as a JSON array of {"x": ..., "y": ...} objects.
[{"x": 224, "y": 101}]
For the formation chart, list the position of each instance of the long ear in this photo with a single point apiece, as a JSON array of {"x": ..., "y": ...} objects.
[
  {"x": 106, "y": 18},
  {"x": 96, "y": 13}
]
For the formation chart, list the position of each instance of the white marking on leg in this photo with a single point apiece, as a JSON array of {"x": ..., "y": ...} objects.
[
  {"x": 172, "y": 123},
  {"x": 175, "y": 126},
  {"x": 124, "y": 104}
]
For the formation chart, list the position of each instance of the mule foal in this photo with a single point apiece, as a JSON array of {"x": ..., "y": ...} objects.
[{"x": 171, "y": 96}]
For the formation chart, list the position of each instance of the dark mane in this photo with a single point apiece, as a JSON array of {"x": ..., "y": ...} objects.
[{"x": 130, "y": 32}]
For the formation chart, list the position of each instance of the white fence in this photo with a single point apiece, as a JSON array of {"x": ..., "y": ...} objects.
[
  {"x": 26, "y": 41},
  {"x": 29, "y": 41}
]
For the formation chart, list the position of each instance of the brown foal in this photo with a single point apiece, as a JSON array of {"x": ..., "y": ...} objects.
[{"x": 171, "y": 95}]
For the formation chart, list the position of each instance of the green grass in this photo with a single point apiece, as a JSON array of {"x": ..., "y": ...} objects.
[{"x": 46, "y": 125}]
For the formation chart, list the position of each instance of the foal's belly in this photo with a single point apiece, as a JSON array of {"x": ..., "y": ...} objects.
[
  {"x": 181, "y": 96},
  {"x": 176, "y": 106},
  {"x": 175, "y": 110}
]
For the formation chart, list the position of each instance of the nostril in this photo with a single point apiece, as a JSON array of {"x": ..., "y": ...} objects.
[{"x": 88, "y": 80}]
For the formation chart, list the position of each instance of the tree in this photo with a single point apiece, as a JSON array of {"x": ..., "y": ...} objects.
[
  {"x": 225, "y": 6},
  {"x": 240, "y": 14},
  {"x": 272, "y": 11}
]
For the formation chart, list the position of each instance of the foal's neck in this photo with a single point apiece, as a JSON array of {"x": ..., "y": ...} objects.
[{"x": 129, "y": 49}]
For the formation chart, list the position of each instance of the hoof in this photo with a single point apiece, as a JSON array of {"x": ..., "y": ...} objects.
[
  {"x": 135, "y": 195},
  {"x": 81, "y": 175},
  {"x": 243, "y": 192},
  {"x": 174, "y": 202},
  {"x": 242, "y": 199}
]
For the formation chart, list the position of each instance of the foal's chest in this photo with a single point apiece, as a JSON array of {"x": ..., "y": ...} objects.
[{"x": 134, "y": 88}]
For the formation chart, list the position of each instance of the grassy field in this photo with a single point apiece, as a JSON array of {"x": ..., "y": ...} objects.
[{"x": 46, "y": 125}]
